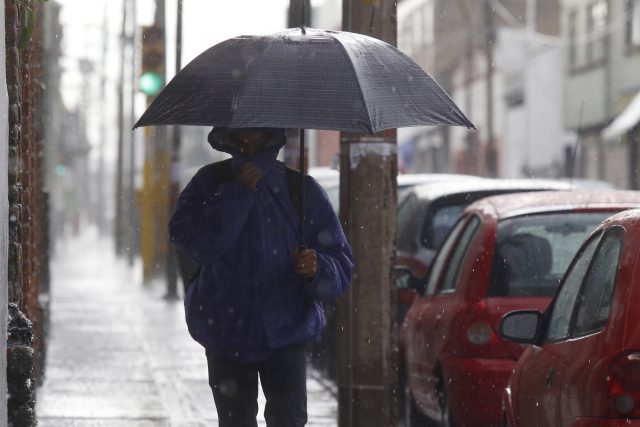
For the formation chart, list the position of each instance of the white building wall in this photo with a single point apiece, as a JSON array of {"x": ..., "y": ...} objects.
[
  {"x": 544, "y": 99},
  {"x": 532, "y": 98},
  {"x": 478, "y": 111}
]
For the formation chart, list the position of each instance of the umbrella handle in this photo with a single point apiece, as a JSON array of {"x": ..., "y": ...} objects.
[{"x": 303, "y": 192}]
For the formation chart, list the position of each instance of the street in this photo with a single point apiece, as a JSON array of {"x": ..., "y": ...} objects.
[{"x": 118, "y": 354}]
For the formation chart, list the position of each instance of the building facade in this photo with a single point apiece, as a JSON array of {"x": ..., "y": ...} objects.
[
  {"x": 602, "y": 72},
  {"x": 466, "y": 43}
]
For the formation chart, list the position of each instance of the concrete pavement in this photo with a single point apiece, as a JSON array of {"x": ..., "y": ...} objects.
[{"x": 120, "y": 355}]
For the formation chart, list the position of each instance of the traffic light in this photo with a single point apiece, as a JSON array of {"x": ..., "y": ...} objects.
[{"x": 152, "y": 74}]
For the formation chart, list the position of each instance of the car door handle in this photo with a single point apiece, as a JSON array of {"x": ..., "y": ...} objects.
[{"x": 549, "y": 380}]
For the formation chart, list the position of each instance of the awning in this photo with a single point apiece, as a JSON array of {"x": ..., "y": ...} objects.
[{"x": 625, "y": 121}]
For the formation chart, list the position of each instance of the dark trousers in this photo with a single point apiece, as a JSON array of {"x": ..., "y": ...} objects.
[{"x": 283, "y": 378}]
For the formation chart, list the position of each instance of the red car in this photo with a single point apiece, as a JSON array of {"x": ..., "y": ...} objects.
[
  {"x": 506, "y": 252},
  {"x": 584, "y": 367}
]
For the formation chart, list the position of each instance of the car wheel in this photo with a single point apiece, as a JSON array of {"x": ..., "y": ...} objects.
[
  {"x": 413, "y": 417},
  {"x": 447, "y": 419}
]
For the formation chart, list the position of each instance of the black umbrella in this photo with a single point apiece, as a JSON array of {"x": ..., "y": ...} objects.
[{"x": 304, "y": 78}]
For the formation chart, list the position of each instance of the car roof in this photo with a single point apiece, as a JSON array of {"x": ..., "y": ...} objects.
[
  {"x": 510, "y": 205},
  {"x": 431, "y": 191},
  {"x": 628, "y": 217},
  {"x": 331, "y": 178},
  {"x": 421, "y": 178}
]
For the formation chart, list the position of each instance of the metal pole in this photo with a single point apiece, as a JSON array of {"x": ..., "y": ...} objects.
[
  {"x": 172, "y": 261},
  {"x": 491, "y": 166},
  {"x": 470, "y": 163},
  {"x": 103, "y": 126},
  {"x": 119, "y": 221},
  {"x": 133, "y": 232},
  {"x": 303, "y": 196}
]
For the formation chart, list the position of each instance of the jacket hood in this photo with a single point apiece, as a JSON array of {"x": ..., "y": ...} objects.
[{"x": 219, "y": 140}]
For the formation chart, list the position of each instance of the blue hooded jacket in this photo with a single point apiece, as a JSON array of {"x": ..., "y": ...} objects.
[{"x": 247, "y": 301}]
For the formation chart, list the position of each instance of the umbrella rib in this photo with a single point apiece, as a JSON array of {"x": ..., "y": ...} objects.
[{"x": 355, "y": 73}]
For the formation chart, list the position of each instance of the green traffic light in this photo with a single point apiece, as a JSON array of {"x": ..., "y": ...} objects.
[{"x": 151, "y": 83}]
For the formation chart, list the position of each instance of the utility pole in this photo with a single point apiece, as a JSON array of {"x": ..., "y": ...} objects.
[
  {"x": 471, "y": 156},
  {"x": 367, "y": 329},
  {"x": 100, "y": 202},
  {"x": 119, "y": 216},
  {"x": 172, "y": 261},
  {"x": 133, "y": 205},
  {"x": 154, "y": 197},
  {"x": 491, "y": 166}
]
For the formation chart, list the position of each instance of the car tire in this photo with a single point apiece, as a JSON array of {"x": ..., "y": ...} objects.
[
  {"x": 413, "y": 417},
  {"x": 447, "y": 418}
]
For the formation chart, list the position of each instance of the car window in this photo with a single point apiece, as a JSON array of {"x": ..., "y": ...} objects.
[
  {"x": 532, "y": 252},
  {"x": 333, "y": 192},
  {"x": 443, "y": 220},
  {"x": 443, "y": 256},
  {"x": 595, "y": 299},
  {"x": 410, "y": 216},
  {"x": 456, "y": 260},
  {"x": 563, "y": 305}
]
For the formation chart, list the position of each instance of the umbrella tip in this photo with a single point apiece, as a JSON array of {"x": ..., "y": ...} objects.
[{"x": 303, "y": 28}]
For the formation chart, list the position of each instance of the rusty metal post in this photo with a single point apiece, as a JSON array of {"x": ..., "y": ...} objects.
[{"x": 366, "y": 330}]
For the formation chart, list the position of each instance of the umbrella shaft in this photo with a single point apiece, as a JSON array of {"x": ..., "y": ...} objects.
[{"x": 302, "y": 191}]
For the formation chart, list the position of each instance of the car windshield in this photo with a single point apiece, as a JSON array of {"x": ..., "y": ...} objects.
[{"x": 532, "y": 252}]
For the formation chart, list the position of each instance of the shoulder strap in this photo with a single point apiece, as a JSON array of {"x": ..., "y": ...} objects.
[{"x": 293, "y": 182}]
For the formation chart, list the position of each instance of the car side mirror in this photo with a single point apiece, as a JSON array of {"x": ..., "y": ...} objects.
[
  {"x": 406, "y": 280},
  {"x": 522, "y": 326}
]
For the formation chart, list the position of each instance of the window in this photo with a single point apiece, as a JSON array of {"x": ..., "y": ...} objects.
[
  {"x": 596, "y": 25},
  {"x": 562, "y": 308},
  {"x": 573, "y": 40},
  {"x": 633, "y": 23},
  {"x": 458, "y": 256},
  {"x": 442, "y": 257},
  {"x": 411, "y": 214},
  {"x": 533, "y": 252},
  {"x": 595, "y": 299}
]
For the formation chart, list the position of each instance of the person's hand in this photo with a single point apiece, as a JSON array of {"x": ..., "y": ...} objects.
[
  {"x": 249, "y": 174},
  {"x": 305, "y": 262}
]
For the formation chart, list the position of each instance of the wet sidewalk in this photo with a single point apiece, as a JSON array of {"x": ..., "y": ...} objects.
[{"x": 120, "y": 355}]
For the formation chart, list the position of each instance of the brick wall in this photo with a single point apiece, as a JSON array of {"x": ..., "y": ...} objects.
[{"x": 27, "y": 212}]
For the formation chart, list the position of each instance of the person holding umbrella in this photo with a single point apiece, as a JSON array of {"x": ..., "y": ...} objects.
[{"x": 255, "y": 300}]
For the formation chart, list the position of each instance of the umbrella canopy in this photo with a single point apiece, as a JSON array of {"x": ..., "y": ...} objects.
[{"x": 304, "y": 78}]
